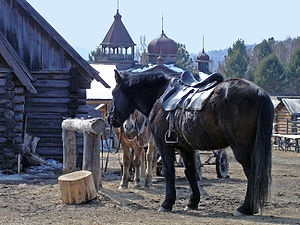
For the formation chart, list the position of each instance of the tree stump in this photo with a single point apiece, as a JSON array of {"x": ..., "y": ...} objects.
[{"x": 77, "y": 187}]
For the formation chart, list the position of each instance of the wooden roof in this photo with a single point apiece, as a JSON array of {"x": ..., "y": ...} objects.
[
  {"x": 117, "y": 35},
  {"x": 292, "y": 105},
  {"x": 84, "y": 66},
  {"x": 14, "y": 61}
]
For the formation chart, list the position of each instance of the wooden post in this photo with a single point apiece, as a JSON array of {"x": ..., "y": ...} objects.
[
  {"x": 91, "y": 156},
  {"x": 96, "y": 161},
  {"x": 69, "y": 151},
  {"x": 92, "y": 130},
  {"x": 87, "y": 150},
  {"x": 77, "y": 187}
]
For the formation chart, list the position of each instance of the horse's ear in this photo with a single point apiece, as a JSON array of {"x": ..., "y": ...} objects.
[{"x": 118, "y": 77}]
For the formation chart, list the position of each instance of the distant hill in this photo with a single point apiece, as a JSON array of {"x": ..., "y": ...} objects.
[{"x": 216, "y": 57}]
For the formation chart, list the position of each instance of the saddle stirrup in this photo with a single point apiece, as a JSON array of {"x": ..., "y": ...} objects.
[{"x": 171, "y": 136}]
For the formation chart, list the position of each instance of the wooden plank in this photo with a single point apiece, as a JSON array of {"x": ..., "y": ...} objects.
[
  {"x": 36, "y": 123},
  {"x": 56, "y": 93},
  {"x": 43, "y": 107}
]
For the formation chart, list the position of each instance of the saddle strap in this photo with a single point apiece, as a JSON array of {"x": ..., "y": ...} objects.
[{"x": 171, "y": 136}]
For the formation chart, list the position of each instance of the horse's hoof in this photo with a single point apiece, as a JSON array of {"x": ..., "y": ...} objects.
[
  {"x": 188, "y": 208},
  {"x": 121, "y": 187},
  {"x": 241, "y": 211},
  {"x": 162, "y": 209},
  {"x": 238, "y": 213},
  {"x": 148, "y": 184}
]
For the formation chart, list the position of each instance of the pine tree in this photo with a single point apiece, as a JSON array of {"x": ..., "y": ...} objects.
[
  {"x": 270, "y": 74},
  {"x": 293, "y": 73},
  {"x": 183, "y": 58},
  {"x": 237, "y": 61}
]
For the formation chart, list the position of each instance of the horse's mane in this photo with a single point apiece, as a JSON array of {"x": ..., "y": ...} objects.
[{"x": 145, "y": 79}]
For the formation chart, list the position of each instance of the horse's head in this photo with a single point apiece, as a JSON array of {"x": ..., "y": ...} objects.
[
  {"x": 129, "y": 125},
  {"x": 121, "y": 105}
]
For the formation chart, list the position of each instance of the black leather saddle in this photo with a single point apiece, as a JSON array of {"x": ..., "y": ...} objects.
[{"x": 189, "y": 91}]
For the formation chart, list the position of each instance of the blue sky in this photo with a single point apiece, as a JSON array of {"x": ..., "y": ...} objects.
[{"x": 84, "y": 23}]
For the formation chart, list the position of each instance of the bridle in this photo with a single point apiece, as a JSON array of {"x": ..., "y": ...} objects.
[{"x": 136, "y": 131}]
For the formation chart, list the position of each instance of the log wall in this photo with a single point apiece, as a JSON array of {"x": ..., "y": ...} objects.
[
  {"x": 12, "y": 102},
  {"x": 58, "y": 98},
  {"x": 281, "y": 117}
]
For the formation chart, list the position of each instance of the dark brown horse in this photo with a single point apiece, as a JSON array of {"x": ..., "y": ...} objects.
[{"x": 237, "y": 113}]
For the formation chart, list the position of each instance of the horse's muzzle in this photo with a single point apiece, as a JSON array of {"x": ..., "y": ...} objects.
[{"x": 111, "y": 120}]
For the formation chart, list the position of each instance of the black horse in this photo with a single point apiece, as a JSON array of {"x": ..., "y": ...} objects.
[{"x": 237, "y": 113}]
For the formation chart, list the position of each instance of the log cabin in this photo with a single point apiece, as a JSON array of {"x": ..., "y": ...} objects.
[
  {"x": 42, "y": 81},
  {"x": 287, "y": 116}
]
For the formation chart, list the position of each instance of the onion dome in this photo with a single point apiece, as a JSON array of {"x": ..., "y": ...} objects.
[
  {"x": 203, "y": 56},
  {"x": 162, "y": 46}
]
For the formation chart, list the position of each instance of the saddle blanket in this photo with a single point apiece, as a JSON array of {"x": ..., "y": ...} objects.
[{"x": 188, "y": 91}]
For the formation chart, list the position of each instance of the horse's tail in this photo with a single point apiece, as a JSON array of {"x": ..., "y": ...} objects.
[{"x": 261, "y": 161}]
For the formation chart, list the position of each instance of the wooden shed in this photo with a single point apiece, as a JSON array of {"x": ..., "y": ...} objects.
[
  {"x": 42, "y": 81},
  {"x": 287, "y": 116}
]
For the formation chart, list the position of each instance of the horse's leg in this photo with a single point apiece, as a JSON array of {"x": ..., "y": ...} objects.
[
  {"x": 143, "y": 167},
  {"x": 168, "y": 157},
  {"x": 188, "y": 157},
  {"x": 127, "y": 158},
  {"x": 149, "y": 159},
  {"x": 245, "y": 161},
  {"x": 245, "y": 208},
  {"x": 137, "y": 165}
]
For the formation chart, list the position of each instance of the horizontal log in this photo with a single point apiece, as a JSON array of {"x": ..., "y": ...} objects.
[
  {"x": 4, "y": 70},
  {"x": 17, "y": 90},
  {"x": 95, "y": 125},
  {"x": 52, "y": 83},
  {"x": 17, "y": 128}
]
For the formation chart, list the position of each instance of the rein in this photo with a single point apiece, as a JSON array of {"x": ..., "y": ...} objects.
[{"x": 111, "y": 134}]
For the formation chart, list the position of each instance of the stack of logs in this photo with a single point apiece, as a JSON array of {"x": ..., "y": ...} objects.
[
  {"x": 11, "y": 110},
  {"x": 81, "y": 186}
]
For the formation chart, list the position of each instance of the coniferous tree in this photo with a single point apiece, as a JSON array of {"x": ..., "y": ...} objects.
[
  {"x": 237, "y": 60},
  {"x": 183, "y": 58},
  {"x": 293, "y": 73},
  {"x": 270, "y": 74},
  {"x": 95, "y": 55}
]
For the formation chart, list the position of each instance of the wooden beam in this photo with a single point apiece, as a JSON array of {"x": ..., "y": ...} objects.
[{"x": 95, "y": 125}]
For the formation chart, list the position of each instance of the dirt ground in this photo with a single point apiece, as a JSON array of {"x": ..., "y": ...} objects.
[{"x": 37, "y": 200}]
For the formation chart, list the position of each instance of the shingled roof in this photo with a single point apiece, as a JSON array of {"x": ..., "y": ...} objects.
[{"x": 117, "y": 35}]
